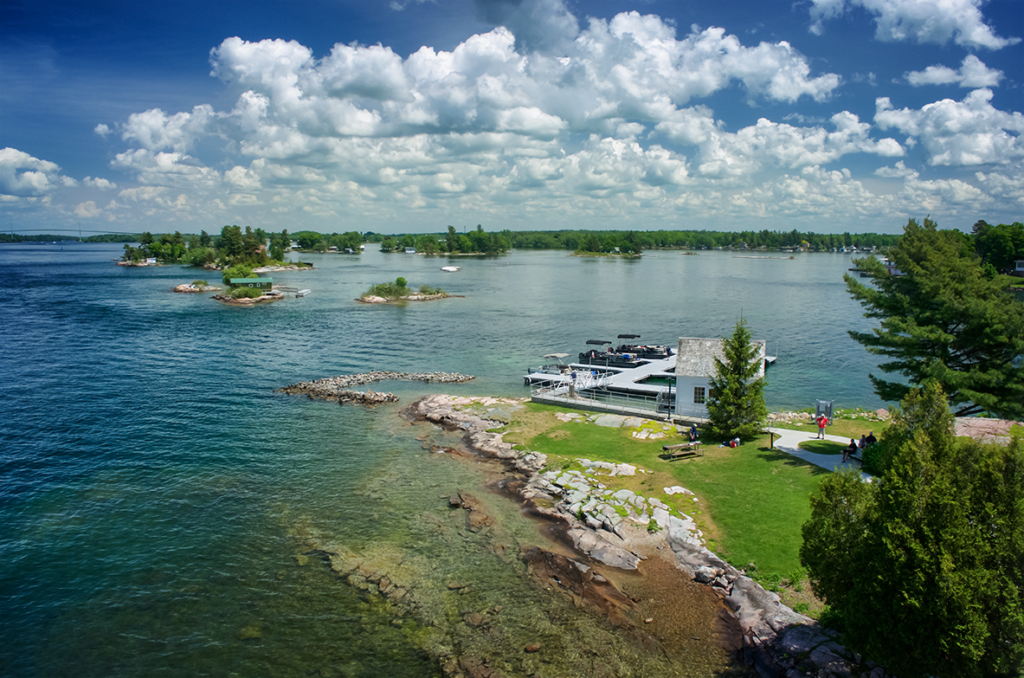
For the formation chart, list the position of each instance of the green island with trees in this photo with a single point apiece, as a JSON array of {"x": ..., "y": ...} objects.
[
  {"x": 399, "y": 291},
  {"x": 232, "y": 247}
]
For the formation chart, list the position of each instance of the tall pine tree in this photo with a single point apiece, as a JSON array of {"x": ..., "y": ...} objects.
[
  {"x": 736, "y": 401},
  {"x": 943, "y": 319}
]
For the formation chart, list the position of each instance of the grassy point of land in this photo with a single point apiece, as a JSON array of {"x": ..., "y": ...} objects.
[
  {"x": 751, "y": 500},
  {"x": 848, "y": 424}
]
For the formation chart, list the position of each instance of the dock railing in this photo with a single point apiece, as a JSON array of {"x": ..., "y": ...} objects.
[{"x": 596, "y": 397}]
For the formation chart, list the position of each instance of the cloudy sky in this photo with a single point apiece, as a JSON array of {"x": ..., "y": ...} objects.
[{"x": 410, "y": 115}]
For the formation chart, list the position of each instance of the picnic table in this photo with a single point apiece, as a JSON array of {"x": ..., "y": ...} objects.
[{"x": 691, "y": 449}]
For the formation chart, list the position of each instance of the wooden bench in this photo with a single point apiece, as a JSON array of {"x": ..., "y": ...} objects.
[{"x": 682, "y": 450}]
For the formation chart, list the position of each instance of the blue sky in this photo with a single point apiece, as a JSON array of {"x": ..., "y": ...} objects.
[{"x": 410, "y": 115}]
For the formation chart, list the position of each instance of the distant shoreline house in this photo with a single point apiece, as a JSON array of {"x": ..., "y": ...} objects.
[
  {"x": 695, "y": 365},
  {"x": 1018, "y": 269}
]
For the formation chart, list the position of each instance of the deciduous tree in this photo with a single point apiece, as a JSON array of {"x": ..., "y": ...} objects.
[{"x": 943, "y": 319}]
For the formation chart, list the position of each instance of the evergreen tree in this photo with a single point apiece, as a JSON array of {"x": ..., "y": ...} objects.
[
  {"x": 943, "y": 319},
  {"x": 231, "y": 244},
  {"x": 925, "y": 568},
  {"x": 736, "y": 401}
]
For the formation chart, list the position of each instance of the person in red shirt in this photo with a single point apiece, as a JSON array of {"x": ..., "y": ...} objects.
[{"x": 822, "y": 423}]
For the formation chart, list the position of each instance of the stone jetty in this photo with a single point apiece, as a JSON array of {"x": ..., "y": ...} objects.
[
  {"x": 613, "y": 527},
  {"x": 338, "y": 388}
]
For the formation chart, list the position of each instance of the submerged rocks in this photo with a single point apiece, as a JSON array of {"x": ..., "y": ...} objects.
[{"x": 367, "y": 398}]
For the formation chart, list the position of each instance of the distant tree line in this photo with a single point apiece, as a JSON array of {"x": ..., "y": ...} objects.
[
  {"x": 626, "y": 241},
  {"x": 318, "y": 242},
  {"x": 477, "y": 241},
  {"x": 50, "y": 237}
]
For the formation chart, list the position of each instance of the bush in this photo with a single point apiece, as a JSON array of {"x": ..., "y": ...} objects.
[
  {"x": 237, "y": 271},
  {"x": 201, "y": 284},
  {"x": 245, "y": 293},
  {"x": 873, "y": 459}
]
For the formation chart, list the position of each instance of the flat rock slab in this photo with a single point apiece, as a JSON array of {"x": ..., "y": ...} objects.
[
  {"x": 610, "y": 420},
  {"x": 802, "y": 639}
]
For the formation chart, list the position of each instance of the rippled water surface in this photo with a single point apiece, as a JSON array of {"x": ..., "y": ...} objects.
[{"x": 157, "y": 497}]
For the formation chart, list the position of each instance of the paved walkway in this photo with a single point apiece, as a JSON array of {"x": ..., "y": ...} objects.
[{"x": 789, "y": 440}]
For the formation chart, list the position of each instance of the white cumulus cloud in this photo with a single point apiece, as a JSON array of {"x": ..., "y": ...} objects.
[
  {"x": 22, "y": 175},
  {"x": 973, "y": 73},
  {"x": 923, "y": 21},
  {"x": 968, "y": 132}
]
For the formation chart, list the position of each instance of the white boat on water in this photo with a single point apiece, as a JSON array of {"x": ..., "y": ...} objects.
[
  {"x": 450, "y": 269},
  {"x": 302, "y": 293}
]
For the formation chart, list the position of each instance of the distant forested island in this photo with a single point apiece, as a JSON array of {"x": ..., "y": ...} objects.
[{"x": 998, "y": 245}]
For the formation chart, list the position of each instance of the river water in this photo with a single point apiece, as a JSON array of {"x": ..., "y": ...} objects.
[{"x": 158, "y": 499}]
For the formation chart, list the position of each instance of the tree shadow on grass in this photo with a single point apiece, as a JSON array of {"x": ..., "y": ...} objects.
[{"x": 779, "y": 456}]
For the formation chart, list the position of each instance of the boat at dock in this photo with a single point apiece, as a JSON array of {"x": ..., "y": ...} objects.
[{"x": 626, "y": 355}]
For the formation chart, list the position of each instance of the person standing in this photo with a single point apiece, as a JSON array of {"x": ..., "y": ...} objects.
[{"x": 822, "y": 421}]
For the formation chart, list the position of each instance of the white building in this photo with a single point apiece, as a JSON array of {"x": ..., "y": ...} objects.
[{"x": 695, "y": 365}]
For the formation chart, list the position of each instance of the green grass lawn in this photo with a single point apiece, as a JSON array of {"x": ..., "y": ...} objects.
[{"x": 752, "y": 500}]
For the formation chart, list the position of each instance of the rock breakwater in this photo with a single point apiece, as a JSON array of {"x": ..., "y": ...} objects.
[{"x": 338, "y": 388}]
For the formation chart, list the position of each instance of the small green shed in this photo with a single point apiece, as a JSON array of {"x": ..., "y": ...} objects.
[{"x": 261, "y": 284}]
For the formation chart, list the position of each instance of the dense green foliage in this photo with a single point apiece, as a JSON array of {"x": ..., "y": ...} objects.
[
  {"x": 236, "y": 271},
  {"x": 736, "y": 400},
  {"x": 999, "y": 246},
  {"x": 477, "y": 241},
  {"x": 944, "y": 319},
  {"x": 245, "y": 293},
  {"x": 316, "y": 242},
  {"x": 925, "y": 568}
]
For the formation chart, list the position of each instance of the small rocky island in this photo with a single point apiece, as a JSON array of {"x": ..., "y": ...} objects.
[
  {"x": 399, "y": 291},
  {"x": 195, "y": 287}
]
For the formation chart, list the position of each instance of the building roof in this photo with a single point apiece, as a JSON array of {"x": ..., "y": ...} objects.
[{"x": 695, "y": 356}]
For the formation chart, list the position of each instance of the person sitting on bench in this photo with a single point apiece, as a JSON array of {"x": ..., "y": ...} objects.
[
  {"x": 693, "y": 433},
  {"x": 850, "y": 450}
]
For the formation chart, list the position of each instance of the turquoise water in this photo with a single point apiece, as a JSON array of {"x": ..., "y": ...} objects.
[{"x": 157, "y": 497}]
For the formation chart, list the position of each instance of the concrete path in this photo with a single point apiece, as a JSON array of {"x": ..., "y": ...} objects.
[{"x": 789, "y": 440}]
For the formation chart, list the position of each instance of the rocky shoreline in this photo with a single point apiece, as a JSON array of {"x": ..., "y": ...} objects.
[
  {"x": 189, "y": 288},
  {"x": 338, "y": 388},
  {"x": 373, "y": 299},
  {"x": 245, "y": 301},
  {"x": 616, "y": 528}
]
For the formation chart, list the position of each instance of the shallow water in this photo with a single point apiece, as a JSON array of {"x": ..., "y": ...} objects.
[{"x": 158, "y": 498}]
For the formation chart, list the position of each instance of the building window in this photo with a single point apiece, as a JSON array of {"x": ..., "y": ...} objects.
[{"x": 698, "y": 394}]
